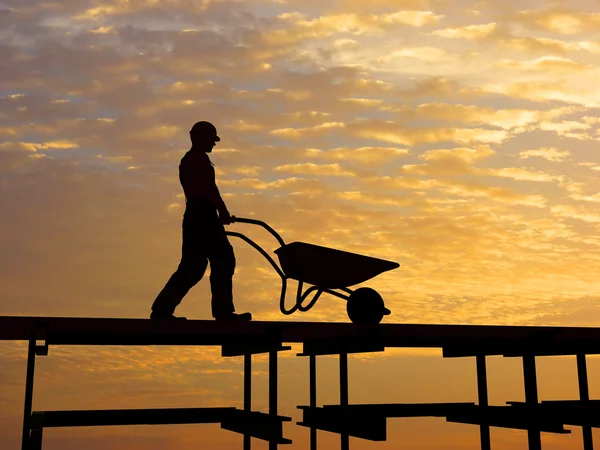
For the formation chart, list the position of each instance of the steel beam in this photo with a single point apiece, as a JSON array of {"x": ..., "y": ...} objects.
[{"x": 482, "y": 399}]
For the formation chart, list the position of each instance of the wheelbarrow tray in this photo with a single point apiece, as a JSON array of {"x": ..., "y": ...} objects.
[{"x": 329, "y": 268}]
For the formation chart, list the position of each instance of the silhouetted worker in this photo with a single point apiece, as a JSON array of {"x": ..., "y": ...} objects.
[{"x": 204, "y": 237}]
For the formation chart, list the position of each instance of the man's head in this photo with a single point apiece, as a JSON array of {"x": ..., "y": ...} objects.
[{"x": 204, "y": 136}]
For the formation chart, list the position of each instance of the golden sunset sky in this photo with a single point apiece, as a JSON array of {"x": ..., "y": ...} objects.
[{"x": 458, "y": 138}]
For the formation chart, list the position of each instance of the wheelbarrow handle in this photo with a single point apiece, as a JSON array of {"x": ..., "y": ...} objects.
[{"x": 260, "y": 223}]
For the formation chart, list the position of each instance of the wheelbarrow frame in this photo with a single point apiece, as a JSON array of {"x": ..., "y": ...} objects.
[{"x": 300, "y": 304}]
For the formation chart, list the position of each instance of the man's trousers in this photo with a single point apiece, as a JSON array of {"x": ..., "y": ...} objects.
[{"x": 204, "y": 241}]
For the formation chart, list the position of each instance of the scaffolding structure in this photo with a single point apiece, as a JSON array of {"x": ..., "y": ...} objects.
[{"x": 365, "y": 421}]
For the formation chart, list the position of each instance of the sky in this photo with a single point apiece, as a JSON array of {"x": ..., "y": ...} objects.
[{"x": 457, "y": 138}]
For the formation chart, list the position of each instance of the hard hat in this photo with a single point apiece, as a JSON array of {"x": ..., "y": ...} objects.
[{"x": 206, "y": 129}]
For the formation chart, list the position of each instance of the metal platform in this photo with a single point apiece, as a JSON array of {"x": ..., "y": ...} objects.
[
  {"x": 319, "y": 338},
  {"x": 455, "y": 340}
]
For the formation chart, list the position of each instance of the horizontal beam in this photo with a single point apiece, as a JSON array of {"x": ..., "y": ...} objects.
[
  {"x": 526, "y": 347},
  {"x": 363, "y": 426},
  {"x": 574, "y": 403},
  {"x": 252, "y": 423},
  {"x": 569, "y": 412},
  {"x": 510, "y": 417},
  {"x": 267, "y": 427},
  {"x": 359, "y": 344},
  {"x": 455, "y": 340},
  {"x": 396, "y": 410},
  {"x": 107, "y": 417},
  {"x": 252, "y": 348}
]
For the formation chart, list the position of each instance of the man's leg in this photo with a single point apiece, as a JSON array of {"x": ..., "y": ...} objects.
[
  {"x": 194, "y": 260},
  {"x": 222, "y": 268},
  {"x": 187, "y": 275}
]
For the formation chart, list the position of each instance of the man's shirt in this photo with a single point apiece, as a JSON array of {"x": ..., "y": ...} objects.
[{"x": 197, "y": 177}]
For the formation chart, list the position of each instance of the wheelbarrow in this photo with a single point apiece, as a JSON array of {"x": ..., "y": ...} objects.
[{"x": 327, "y": 270}]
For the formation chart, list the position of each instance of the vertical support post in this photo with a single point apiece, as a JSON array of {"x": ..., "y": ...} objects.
[
  {"x": 28, "y": 392},
  {"x": 35, "y": 442},
  {"x": 482, "y": 400},
  {"x": 584, "y": 396},
  {"x": 531, "y": 399},
  {"x": 313, "y": 396},
  {"x": 345, "y": 438},
  {"x": 247, "y": 393},
  {"x": 273, "y": 389}
]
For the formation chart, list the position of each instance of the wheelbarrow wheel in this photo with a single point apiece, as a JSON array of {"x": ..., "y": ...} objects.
[{"x": 365, "y": 306}]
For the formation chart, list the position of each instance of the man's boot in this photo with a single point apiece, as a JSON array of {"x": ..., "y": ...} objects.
[
  {"x": 158, "y": 315},
  {"x": 223, "y": 310},
  {"x": 165, "y": 304},
  {"x": 234, "y": 317}
]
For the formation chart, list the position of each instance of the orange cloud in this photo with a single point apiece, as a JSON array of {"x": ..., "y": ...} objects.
[
  {"x": 471, "y": 32},
  {"x": 364, "y": 155},
  {"x": 397, "y": 134},
  {"x": 549, "y": 153},
  {"x": 315, "y": 169},
  {"x": 559, "y": 20},
  {"x": 554, "y": 64}
]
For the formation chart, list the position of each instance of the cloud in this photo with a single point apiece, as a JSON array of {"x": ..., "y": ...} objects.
[
  {"x": 358, "y": 197},
  {"x": 559, "y": 47},
  {"x": 315, "y": 169},
  {"x": 573, "y": 212},
  {"x": 64, "y": 144},
  {"x": 586, "y": 198},
  {"x": 519, "y": 173},
  {"x": 559, "y": 20},
  {"x": 17, "y": 146},
  {"x": 549, "y": 153},
  {"x": 345, "y": 43},
  {"x": 425, "y": 54},
  {"x": 495, "y": 193},
  {"x": 397, "y": 134},
  {"x": 545, "y": 91},
  {"x": 296, "y": 27},
  {"x": 471, "y": 32},
  {"x": 363, "y": 155},
  {"x": 504, "y": 118},
  {"x": 443, "y": 162},
  {"x": 554, "y": 64},
  {"x": 568, "y": 128},
  {"x": 293, "y": 184},
  {"x": 297, "y": 133}
]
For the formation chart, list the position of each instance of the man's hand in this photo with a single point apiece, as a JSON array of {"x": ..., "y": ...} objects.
[{"x": 224, "y": 216}]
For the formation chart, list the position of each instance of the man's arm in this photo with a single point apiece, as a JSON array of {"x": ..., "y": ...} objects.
[
  {"x": 217, "y": 200},
  {"x": 215, "y": 197},
  {"x": 212, "y": 193}
]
